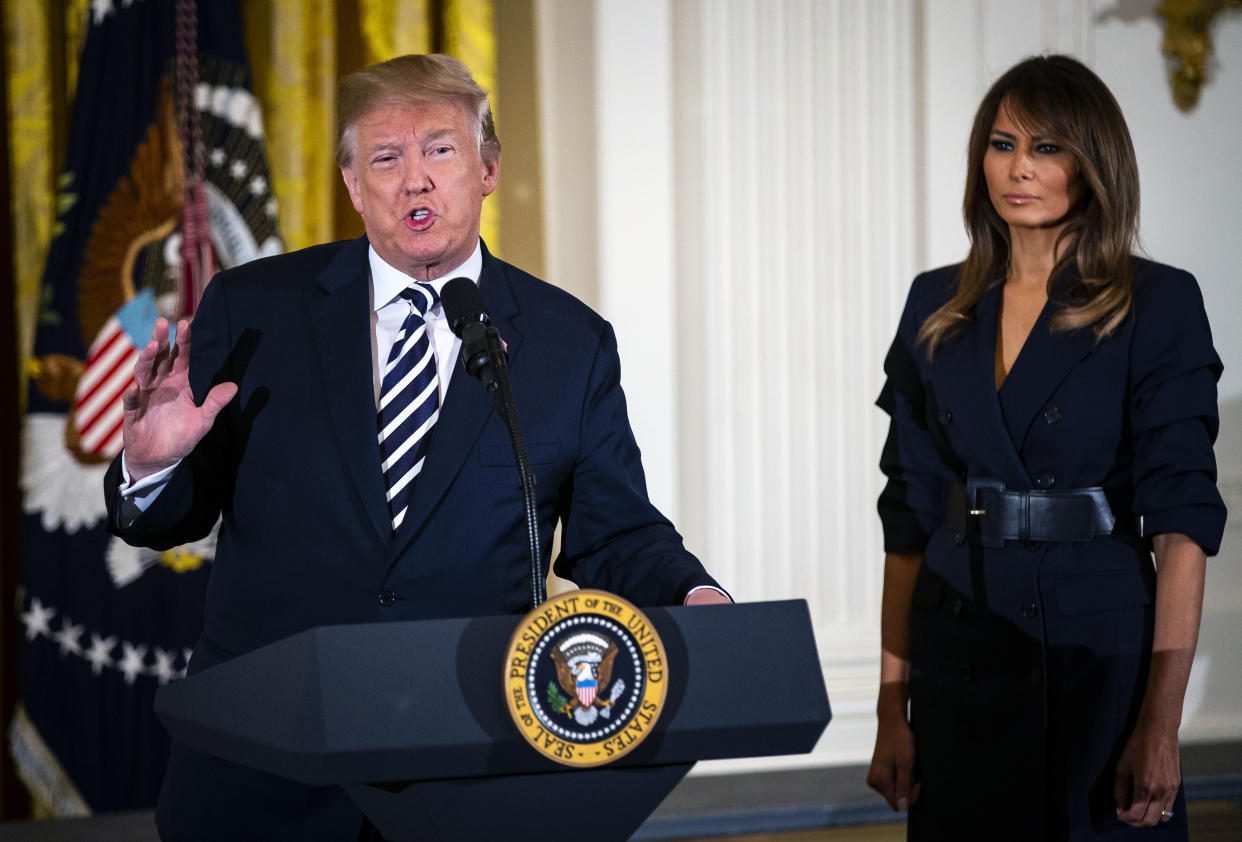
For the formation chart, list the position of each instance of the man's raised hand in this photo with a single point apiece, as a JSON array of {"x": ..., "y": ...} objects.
[{"x": 162, "y": 423}]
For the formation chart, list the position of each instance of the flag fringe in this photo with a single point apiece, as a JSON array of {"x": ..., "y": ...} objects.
[{"x": 41, "y": 772}]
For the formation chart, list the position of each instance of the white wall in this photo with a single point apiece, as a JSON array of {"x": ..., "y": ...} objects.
[{"x": 767, "y": 176}]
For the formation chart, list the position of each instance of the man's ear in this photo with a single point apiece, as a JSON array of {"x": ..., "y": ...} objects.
[
  {"x": 351, "y": 184},
  {"x": 491, "y": 176}
]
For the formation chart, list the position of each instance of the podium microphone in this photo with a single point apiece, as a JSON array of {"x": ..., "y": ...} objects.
[
  {"x": 484, "y": 356},
  {"x": 467, "y": 316}
]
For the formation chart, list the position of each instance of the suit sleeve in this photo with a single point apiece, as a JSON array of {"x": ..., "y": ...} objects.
[
  {"x": 1173, "y": 373},
  {"x": 911, "y": 506},
  {"x": 614, "y": 538},
  {"x": 190, "y": 504}
]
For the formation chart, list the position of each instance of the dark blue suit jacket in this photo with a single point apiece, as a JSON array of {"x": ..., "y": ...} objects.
[
  {"x": 1030, "y": 659},
  {"x": 292, "y": 466}
]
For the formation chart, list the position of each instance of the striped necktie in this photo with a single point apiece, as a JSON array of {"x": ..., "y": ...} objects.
[{"x": 409, "y": 401}]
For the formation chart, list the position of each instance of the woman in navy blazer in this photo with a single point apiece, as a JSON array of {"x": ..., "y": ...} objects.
[{"x": 1053, "y": 409}]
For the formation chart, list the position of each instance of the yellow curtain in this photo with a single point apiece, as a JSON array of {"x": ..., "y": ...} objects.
[
  {"x": 294, "y": 58},
  {"x": 395, "y": 29},
  {"x": 27, "y": 28},
  {"x": 41, "y": 43},
  {"x": 470, "y": 35}
]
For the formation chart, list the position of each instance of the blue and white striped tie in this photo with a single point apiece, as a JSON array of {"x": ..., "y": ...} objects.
[{"x": 409, "y": 401}]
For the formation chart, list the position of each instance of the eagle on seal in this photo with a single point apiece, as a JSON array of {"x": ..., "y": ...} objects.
[{"x": 584, "y": 671}]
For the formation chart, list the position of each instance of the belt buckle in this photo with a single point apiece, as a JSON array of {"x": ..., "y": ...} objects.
[{"x": 979, "y": 494}]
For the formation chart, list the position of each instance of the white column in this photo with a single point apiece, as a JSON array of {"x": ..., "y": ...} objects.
[
  {"x": 634, "y": 156},
  {"x": 797, "y": 197}
]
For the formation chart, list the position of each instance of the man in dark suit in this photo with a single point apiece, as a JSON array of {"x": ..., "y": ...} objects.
[{"x": 279, "y": 426}]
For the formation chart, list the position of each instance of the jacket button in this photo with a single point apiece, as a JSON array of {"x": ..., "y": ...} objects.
[
  {"x": 945, "y": 417},
  {"x": 387, "y": 598},
  {"x": 1052, "y": 415},
  {"x": 959, "y": 538},
  {"x": 958, "y": 605},
  {"x": 966, "y": 673},
  {"x": 1045, "y": 481},
  {"x": 1036, "y": 677},
  {"x": 1031, "y": 545},
  {"x": 1029, "y": 609}
]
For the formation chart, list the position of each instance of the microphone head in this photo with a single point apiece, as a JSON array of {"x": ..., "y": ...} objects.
[{"x": 462, "y": 303}]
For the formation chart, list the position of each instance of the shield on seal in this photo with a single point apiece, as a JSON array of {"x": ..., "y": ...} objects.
[{"x": 586, "y": 689}]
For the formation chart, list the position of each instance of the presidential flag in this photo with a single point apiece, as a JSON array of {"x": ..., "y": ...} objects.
[{"x": 166, "y": 179}]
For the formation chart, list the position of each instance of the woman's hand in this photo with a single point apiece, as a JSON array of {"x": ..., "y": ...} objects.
[
  {"x": 1149, "y": 774},
  {"x": 892, "y": 763}
]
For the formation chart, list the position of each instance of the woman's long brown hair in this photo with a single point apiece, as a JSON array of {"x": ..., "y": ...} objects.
[{"x": 1061, "y": 98}]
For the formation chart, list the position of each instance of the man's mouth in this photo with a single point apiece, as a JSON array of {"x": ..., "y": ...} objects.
[{"x": 420, "y": 215}]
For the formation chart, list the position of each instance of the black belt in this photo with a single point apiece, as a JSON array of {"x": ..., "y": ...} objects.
[{"x": 986, "y": 513}]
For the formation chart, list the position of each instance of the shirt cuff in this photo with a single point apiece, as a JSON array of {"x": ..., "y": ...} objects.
[{"x": 137, "y": 497}]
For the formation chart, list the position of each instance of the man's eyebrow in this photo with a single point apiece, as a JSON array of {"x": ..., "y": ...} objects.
[
  {"x": 438, "y": 134},
  {"x": 383, "y": 145}
]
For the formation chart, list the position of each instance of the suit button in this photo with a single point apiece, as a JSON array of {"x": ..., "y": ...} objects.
[
  {"x": 1031, "y": 545},
  {"x": 945, "y": 417},
  {"x": 958, "y": 605},
  {"x": 387, "y": 598},
  {"x": 959, "y": 538},
  {"x": 1029, "y": 609},
  {"x": 1045, "y": 481},
  {"x": 1052, "y": 415},
  {"x": 966, "y": 673},
  {"x": 1036, "y": 677}
]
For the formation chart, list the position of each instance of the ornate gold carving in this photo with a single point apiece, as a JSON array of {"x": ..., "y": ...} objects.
[{"x": 1188, "y": 44}]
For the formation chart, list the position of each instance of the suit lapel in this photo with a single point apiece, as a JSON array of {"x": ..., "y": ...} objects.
[
  {"x": 342, "y": 324},
  {"x": 966, "y": 382},
  {"x": 467, "y": 406},
  {"x": 1041, "y": 366}
]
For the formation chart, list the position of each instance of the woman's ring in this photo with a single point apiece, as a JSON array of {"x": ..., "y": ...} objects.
[{"x": 1165, "y": 815}]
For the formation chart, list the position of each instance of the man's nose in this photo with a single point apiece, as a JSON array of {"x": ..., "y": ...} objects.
[{"x": 416, "y": 178}]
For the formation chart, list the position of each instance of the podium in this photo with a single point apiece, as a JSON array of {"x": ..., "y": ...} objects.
[{"x": 411, "y": 719}]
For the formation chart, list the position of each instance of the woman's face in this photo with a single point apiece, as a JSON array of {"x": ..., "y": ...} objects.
[{"x": 1032, "y": 181}]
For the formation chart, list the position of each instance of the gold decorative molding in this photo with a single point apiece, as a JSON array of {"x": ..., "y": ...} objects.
[{"x": 1188, "y": 44}]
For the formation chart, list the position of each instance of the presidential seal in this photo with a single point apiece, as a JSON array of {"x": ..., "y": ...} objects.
[{"x": 585, "y": 676}]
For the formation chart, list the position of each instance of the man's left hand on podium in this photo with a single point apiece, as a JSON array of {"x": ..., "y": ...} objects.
[{"x": 707, "y": 596}]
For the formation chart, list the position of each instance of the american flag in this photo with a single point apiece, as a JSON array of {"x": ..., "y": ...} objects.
[{"x": 109, "y": 371}]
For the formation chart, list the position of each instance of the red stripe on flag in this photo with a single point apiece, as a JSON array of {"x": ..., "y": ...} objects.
[
  {"x": 128, "y": 358},
  {"x": 95, "y": 368},
  {"x": 112, "y": 332},
  {"x": 102, "y": 448},
  {"x": 89, "y": 432},
  {"x": 109, "y": 405},
  {"x": 116, "y": 387}
]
